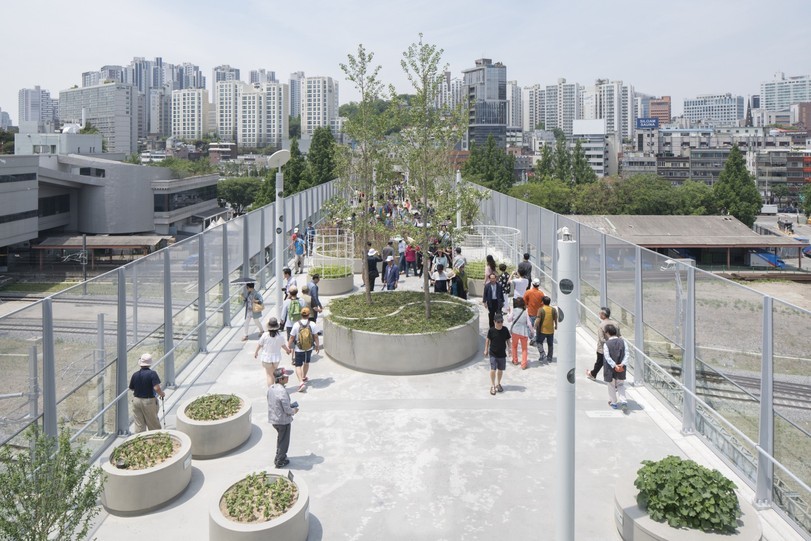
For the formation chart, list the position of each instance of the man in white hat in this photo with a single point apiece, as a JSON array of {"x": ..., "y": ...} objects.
[
  {"x": 146, "y": 387},
  {"x": 391, "y": 275}
]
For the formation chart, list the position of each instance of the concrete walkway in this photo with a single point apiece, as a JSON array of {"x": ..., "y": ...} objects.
[{"x": 432, "y": 457}]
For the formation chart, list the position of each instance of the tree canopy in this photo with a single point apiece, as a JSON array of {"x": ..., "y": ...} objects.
[
  {"x": 238, "y": 192},
  {"x": 320, "y": 159},
  {"x": 490, "y": 166},
  {"x": 736, "y": 192}
]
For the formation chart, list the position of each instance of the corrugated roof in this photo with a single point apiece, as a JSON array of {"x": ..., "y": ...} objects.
[{"x": 100, "y": 241}]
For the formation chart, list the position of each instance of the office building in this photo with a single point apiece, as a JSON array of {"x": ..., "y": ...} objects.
[
  {"x": 563, "y": 106},
  {"x": 190, "y": 113},
  {"x": 107, "y": 74},
  {"x": 318, "y": 104},
  {"x": 599, "y": 145},
  {"x": 533, "y": 108},
  {"x": 38, "y": 112},
  {"x": 264, "y": 117},
  {"x": 485, "y": 87},
  {"x": 111, "y": 108},
  {"x": 295, "y": 92},
  {"x": 714, "y": 109},
  {"x": 706, "y": 164},
  {"x": 801, "y": 114},
  {"x": 779, "y": 93},
  {"x": 450, "y": 92},
  {"x": 660, "y": 108},
  {"x": 515, "y": 113},
  {"x": 613, "y": 102}
]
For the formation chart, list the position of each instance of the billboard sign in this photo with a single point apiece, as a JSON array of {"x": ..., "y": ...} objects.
[{"x": 647, "y": 123}]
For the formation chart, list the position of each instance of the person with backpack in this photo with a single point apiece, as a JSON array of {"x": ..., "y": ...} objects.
[
  {"x": 303, "y": 340},
  {"x": 546, "y": 323},
  {"x": 291, "y": 310},
  {"x": 520, "y": 331}
]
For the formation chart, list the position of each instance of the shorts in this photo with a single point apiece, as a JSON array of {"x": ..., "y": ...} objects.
[
  {"x": 302, "y": 357},
  {"x": 273, "y": 358},
  {"x": 498, "y": 363}
]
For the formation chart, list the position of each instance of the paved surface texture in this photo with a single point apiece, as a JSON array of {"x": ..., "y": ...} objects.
[{"x": 432, "y": 457}]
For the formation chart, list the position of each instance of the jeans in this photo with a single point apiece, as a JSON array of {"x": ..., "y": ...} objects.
[{"x": 550, "y": 344}]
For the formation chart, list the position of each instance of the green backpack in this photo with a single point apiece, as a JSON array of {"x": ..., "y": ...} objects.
[{"x": 294, "y": 312}]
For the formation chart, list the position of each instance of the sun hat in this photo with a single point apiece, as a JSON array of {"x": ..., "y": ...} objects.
[
  {"x": 390, "y": 258},
  {"x": 273, "y": 324},
  {"x": 145, "y": 360},
  {"x": 536, "y": 282}
]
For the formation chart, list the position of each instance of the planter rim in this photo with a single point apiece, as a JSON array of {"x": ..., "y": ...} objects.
[
  {"x": 332, "y": 318},
  {"x": 290, "y": 514},
  {"x": 185, "y": 442},
  {"x": 181, "y": 411}
]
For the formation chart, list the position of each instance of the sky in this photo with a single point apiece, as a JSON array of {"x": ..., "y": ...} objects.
[{"x": 681, "y": 49}]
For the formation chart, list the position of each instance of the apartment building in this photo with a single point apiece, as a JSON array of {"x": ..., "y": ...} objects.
[{"x": 318, "y": 104}]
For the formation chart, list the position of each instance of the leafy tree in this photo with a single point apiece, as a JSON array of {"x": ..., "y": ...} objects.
[
  {"x": 559, "y": 134},
  {"x": 295, "y": 170},
  {"x": 805, "y": 200},
  {"x": 562, "y": 161},
  {"x": 780, "y": 191},
  {"x": 133, "y": 158},
  {"x": 294, "y": 127},
  {"x": 6, "y": 142},
  {"x": 736, "y": 192},
  {"x": 490, "y": 166},
  {"x": 549, "y": 193},
  {"x": 238, "y": 192},
  {"x": 643, "y": 195},
  {"x": 545, "y": 167},
  {"x": 89, "y": 129},
  {"x": 594, "y": 198},
  {"x": 186, "y": 168},
  {"x": 694, "y": 198},
  {"x": 582, "y": 173},
  {"x": 320, "y": 158},
  {"x": 49, "y": 492}
]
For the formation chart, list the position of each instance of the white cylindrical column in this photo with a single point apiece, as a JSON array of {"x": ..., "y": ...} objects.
[
  {"x": 278, "y": 243},
  {"x": 458, "y": 200},
  {"x": 566, "y": 353}
]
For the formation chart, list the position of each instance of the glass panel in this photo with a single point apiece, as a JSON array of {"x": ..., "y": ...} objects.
[
  {"x": 621, "y": 284},
  {"x": 254, "y": 244},
  {"x": 547, "y": 240},
  {"x": 184, "y": 301}
]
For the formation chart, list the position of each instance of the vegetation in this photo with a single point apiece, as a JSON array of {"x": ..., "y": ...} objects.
[
  {"x": 186, "y": 168},
  {"x": 331, "y": 271},
  {"x": 213, "y": 407},
  {"x": 400, "y": 312},
  {"x": 490, "y": 166},
  {"x": 238, "y": 192},
  {"x": 294, "y": 128},
  {"x": 736, "y": 192},
  {"x": 144, "y": 452},
  {"x": 259, "y": 497},
  {"x": 687, "y": 495},
  {"x": 475, "y": 269},
  {"x": 295, "y": 171},
  {"x": 6, "y": 142},
  {"x": 49, "y": 491},
  {"x": 321, "y": 158},
  {"x": 805, "y": 199}
]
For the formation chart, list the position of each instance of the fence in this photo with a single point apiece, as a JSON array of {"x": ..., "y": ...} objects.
[
  {"x": 703, "y": 344},
  {"x": 67, "y": 358}
]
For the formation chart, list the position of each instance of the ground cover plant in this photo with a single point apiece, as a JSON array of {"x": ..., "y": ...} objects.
[
  {"x": 213, "y": 407},
  {"x": 259, "y": 497},
  {"x": 144, "y": 451},
  {"x": 400, "y": 312},
  {"x": 475, "y": 269},
  {"x": 331, "y": 271}
]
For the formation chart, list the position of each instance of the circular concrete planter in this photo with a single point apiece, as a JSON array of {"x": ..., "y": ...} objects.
[
  {"x": 402, "y": 354},
  {"x": 334, "y": 286},
  {"x": 634, "y": 524},
  {"x": 475, "y": 288},
  {"x": 210, "y": 439},
  {"x": 131, "y": 492},
  {"x": 294, "y": 525}
]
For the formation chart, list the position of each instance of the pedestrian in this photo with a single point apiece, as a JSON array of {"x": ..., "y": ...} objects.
[
  {"x": 401, "y": 252},
  {"x": 300, "y": 248},
  {"x": 605, "y": 320},
  {"x": 303, "y": 340},
  {"x": 411, "y": 259},
  {"x": 533, "y": 299},
  {"x": 520, "y": 331},
  {"x": 145, "y": 385},
  {"x": 291, "y": 310},
  {"x": 441, "y": 278},
  {"x": 526, "y": 266},
  {"x": 615, "y": 352},
  {"x": 315, "y": 301},
  {"x": 269, "y": 349},
  {"x": 254, "y": 304},
  {"x": 493, "y": 299},
  {"x": 280, "y": 415},
  {"x": 497, "y": 346},
  {"x": 545, "y": 326},
  {"x": 459, "y": 260},
  {"x": 490, "y": 263},
  {"x": 310, "y": 234},
  {"x": 419, "y": 266},
  {"x": 460, "y": 283},
  {"x": 441, "y": 258},
  {"x": 372, "y": 259},
  {"x": 519, "y": 284},
  {"x": 391, "y": 274},
  {"x": 288, "y": 280},
  {"x": 387, "y": 251},
  {"x": 504, "y": 280}
]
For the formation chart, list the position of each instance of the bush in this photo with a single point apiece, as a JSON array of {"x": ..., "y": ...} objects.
[
  {"x": 687, "y": 495},
  {"x": 259, "y": 497},
  {"x": 144, "y": 452},
  {"x": 399, "y": 312},
  {"x": 332, "y": 271},
  {"x": 213, "y": 407},
  {"x": 475, "y": 269}
]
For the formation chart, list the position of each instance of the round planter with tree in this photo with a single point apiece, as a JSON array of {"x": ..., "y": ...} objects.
[
  {"x": 146, "y": 471},
  {"x": 265, "y": 504},
  {"x": 215, "y": 423}
]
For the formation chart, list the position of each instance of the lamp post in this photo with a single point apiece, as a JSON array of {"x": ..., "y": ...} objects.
[{"x": 277, "y": 160}]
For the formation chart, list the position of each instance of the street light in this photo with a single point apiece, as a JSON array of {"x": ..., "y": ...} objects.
[{"x": 277, "y": 160}]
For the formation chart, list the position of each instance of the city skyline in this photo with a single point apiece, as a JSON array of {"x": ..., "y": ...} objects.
[{"x": 652, "y": 48}]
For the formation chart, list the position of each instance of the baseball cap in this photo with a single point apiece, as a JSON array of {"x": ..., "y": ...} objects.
[
  {"x": 536, "y": 282},
  {"x": 305, "y": 312},
  {"x": 390, "y": 258},
  {"x": 279, "y": 373},
  {"x": 145, "y": 360}
]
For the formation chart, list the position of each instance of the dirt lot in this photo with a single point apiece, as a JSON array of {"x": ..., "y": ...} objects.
[{"x": 796, "y": 293}]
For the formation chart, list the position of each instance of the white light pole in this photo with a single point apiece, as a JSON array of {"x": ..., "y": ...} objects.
[
  {"x": 277, "y": 160},
  {"x": 567, "y": 350}
]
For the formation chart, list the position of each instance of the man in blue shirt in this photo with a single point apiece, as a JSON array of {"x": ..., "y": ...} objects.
[
  {"x": 300, "y": 248},
  {"x": 146, "y": 386}
]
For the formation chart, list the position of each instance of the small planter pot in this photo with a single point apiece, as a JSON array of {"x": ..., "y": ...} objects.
[
  {"x": 335, "y": 286},
  {"x": 211, "y": 439},
  {"x": 132, "y": 492},
  {"x": 294, "y": 525},
  {"x": 634, "y": 524}
]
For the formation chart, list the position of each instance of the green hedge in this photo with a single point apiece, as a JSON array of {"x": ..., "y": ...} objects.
[{"x": 354, "y": 312}]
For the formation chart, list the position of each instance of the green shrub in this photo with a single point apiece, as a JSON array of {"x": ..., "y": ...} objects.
[
  {"x": 687, "y": 495},
  {"x": 399, "y": 312},
  {"x": 144, "y": 452},
  {"x": 213, "y": 407},
  {"x": 332, "y": 271},
  {"x": 475, "y": 269},
  {"x": 259, "y": 497}
]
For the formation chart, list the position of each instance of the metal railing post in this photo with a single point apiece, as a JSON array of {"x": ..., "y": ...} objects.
[
  {"x": 581, "y": 310},
  {"x": 100, "y": 354},
  {"x": 168, "y": 321},
  {"x": 226, "y": 284},
  {"x": 48, "y": 370},
  {"x": 639, "y": 322},
  {"x": 122, "y": 418},
  {"x": 246, "y": 256},
  {"x": 689, "y": 359},
  {"x": 765, "y": 467},
  {"x": 553, "y": 234},
  {"x": 134, "y": 304},
  {"x": 202, "y": 339}
]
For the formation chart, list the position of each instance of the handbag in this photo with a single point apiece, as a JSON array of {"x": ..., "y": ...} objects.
[{"x": 257, "y": 307}]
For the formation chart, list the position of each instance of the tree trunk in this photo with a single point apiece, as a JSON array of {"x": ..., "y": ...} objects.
[{"x": 425, "y": 260}]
